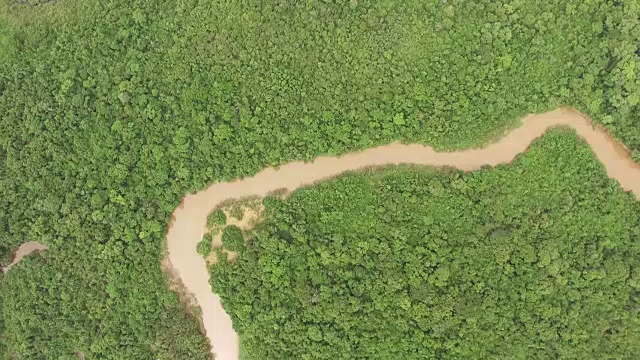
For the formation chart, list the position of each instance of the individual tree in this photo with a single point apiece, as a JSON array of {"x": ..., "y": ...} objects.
[{"x": 233, "y": 239}]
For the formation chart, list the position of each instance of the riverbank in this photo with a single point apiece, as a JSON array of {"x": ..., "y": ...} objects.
[{"x": 190, "y": 218}]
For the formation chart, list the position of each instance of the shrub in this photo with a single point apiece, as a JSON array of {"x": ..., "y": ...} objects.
[
  {"x": 204, "y": 246},
  {"x": 237, "y": 212},
  {"x": 232, "y": 238},
  {"x": 217, "y": 218}
]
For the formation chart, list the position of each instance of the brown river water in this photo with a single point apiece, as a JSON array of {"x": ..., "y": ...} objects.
[{"x": 189, "y": 219}]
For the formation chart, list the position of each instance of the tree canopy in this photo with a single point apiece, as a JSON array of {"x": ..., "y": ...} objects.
[
  {"x": 112, "y": 110},
  {"x": 232, "y": 238},
  {"x": 538, "y": 259}
]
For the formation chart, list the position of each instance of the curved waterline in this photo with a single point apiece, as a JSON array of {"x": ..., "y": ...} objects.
[{"x": 189, "y": 219}]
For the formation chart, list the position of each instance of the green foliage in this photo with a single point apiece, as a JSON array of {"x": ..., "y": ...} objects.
[
  {"x": 237, "y": 212},
  {"x": 178, "y": 338},
  {"x": 113, "y": 110},
  {"x": 232, "y": 238},
  {"x": 537, "y": 259},
  {"x": 216, "y": 218},
  {"x": 3, "y": 348},
  {"x": 204, "y": 246},
  {"x": 57, "y": 13}
]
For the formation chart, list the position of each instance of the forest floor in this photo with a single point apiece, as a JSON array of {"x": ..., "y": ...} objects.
[{"x": 191, "y": 216}]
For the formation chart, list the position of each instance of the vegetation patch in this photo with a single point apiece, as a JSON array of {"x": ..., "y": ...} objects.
[
  {"x": 177, "y": 337},
  {"x": 45, "y": 13},
  {"x": 112, "y": 111},
  {"x": 217, "y": 218},
  {"x": 233, "y": 239},
  {"x": 204, "y": 246},
  {"x": 537, "y": 259},
  {"x": 237, "y": 212}
]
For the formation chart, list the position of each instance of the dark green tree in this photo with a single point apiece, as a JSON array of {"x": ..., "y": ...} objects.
[{"x": 233, "y": 239}]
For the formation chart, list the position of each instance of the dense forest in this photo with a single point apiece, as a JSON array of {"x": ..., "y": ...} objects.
[
  {"x": 112, "y": 110},
  {"x": 539, "y": 259}
]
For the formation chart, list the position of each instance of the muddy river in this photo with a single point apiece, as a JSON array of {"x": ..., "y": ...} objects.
[{"x": 190, "y": 216}]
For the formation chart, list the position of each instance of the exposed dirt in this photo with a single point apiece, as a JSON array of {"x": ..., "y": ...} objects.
[
  {"x": 251, "y": 210},
  {"x": 24, "y": 250},
  {"x": 191, "y": 218}
]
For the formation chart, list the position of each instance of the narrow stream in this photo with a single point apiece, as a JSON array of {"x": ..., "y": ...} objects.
[{"x": 190, "y": 216}]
